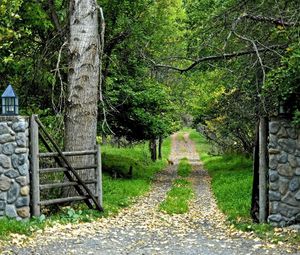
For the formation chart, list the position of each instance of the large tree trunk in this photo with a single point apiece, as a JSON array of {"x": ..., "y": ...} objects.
[{"x": 83, "y": 82}]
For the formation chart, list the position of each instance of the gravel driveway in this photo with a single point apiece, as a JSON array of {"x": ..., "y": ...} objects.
[{"x": 142, "y": 229}]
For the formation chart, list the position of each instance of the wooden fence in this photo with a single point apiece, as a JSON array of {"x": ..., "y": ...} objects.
[{"x": 38, "y": 133}]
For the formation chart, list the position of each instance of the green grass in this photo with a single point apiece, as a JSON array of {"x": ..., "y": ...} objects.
[
  {"x": 231, "y": 183},
  {"x": 232, "y": 186},
  {"x": 12, "y": 226},
  {"x": 138, "y": 156},
  {"x": 117, "y": 193},
  {"x": 177, "y": 200},
  {"x": 184, "y": 168},
  {"x": 231, "y": 179},
  {"x": 202, "y": 145},
  {"x": 180, "y": 136}
]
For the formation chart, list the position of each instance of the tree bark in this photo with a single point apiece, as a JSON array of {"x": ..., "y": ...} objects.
[
  {"x": 152, "y": 147},
  {"x": 263, "y": 170},
  {"x": 160, "y": 141},
  {"x": 83, "y": 82}
]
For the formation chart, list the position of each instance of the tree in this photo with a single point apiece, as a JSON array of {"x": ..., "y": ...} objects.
[
  {"x": 28, "y": 51},
  {"x": 137, "y": 104},
  {"x": 83, "y": 80},
  {"x": 246, "y": 41}
]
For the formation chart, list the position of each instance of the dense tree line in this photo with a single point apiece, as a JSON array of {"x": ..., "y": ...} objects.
[
  {"x": 226, "y": 63},
  {"x": 135, "y": 104},
  {"x": 243, "y": 60}
]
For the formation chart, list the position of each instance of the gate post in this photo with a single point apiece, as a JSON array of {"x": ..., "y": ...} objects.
[
  {"x": 263, "y": 170},
  {"x": 35, "y": 178},
  {"x": 99, "y": 175}
]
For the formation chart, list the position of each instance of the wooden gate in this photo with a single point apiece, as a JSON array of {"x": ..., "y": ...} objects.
[{"x": 38, "y": 131}]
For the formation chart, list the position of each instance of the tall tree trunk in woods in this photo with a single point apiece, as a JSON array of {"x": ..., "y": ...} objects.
[
  {"x": 255, "y": 186},
  {"x": 152, "y": 147},
  {"x": 160, "y": 141},
  {"x": 263, "y": 167},
  {"x": 83, "y": 82}
]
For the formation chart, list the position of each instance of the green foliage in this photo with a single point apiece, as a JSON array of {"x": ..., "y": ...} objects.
[
  {"x": 296, "y": 120},
  {"x": 28, "y": 51},
  {"x": 230, "y": 94},
  {"x": 143, "y": 111},
  {"x": 283, "y": 83},
  {"x": 177, "y": 200},
  {"x": 137, "y": 96},
  {"x": 184, "y": 168},
  {"x": 143, "y": 101}
]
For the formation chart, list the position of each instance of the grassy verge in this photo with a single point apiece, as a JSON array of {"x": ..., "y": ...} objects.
[
  {"x": 177, "y": 199},
  {"x": 232, "y": 186},
  {"x": 117, "y": 193},
  {"x": 231, "y": 179}
]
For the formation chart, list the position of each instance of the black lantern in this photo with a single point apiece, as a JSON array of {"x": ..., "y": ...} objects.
[{"x": 10, "y": 102}]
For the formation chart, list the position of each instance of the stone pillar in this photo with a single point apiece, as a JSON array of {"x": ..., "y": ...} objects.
[
  {"x": 284, "y": 173},
  {"x": 14, "y": 167}
]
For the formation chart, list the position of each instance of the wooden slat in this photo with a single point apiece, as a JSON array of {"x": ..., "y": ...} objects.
[
  {"x": 67, "y": 153},
  {"x": 62, "y": 200},
  {"x": 64, "y": 169},
  {"x": 67, "y": 163},
  {"x": 35, "y": 179},
  {"x": 63, "y": 184},
  {"x": 98, "y": 174},
  {"x": 67, "y": 174}
]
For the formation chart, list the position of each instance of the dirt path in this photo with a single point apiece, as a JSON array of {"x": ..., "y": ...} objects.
[{"x": 142, "y": 229}]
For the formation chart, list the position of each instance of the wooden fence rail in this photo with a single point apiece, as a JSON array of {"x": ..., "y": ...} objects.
[{"x": 37, "y": 130}]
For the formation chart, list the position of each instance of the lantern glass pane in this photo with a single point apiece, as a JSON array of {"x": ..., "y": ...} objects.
[
  {"x": 3, "y": 106},
  {"x": 16, "y": 105},
  {"x": 9, "y": 105}
]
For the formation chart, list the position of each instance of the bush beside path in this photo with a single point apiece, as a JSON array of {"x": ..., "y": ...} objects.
[{"x": 144, "y": 229}]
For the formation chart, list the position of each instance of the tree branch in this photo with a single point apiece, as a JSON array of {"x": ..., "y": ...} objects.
[
  {"x": 108, "y": 49},
  {"x": 275, "y": 21},
  {"x": 54, "y": 16},
  {"x": 219, "y": 57},
  {"x": 119, "y": 38}
]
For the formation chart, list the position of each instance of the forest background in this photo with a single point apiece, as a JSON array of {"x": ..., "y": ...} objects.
[{"x": 221, "y": 64}]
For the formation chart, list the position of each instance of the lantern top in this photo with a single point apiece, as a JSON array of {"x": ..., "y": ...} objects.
[{"x": 9, "y": 92}]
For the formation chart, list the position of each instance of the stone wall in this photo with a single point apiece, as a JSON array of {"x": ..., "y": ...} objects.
[
  {"x": 284, "y": 173},
  {"x": 14, "y": 167}
]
